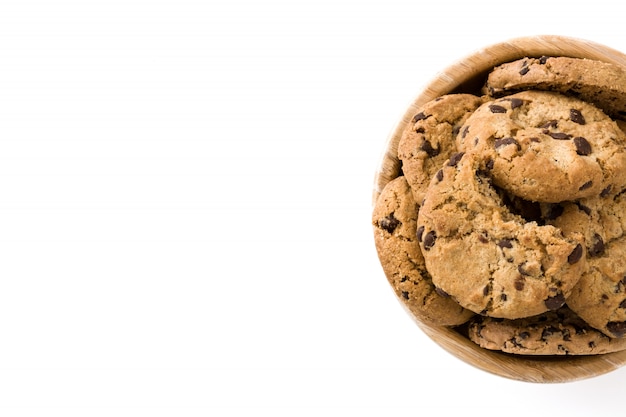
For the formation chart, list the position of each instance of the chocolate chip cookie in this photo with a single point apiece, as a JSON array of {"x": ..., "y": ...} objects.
[
  {"x": 547, "y": 147},
  {"x": 599, "y": 297},
  {"x": 490, "y": 260},
  {"x": 600, "y": 83},
  {"x": 429, "y": 138},
  {"x": 559, "y": 332},
  {"x": 395, "y": 234}
]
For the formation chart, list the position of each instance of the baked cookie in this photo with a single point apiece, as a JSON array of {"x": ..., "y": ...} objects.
[
  {"x": 559, "y": 332},
  {"x": 394, "y": 219},
  {"x": 600, "y": 83},
  {"x": 490, "y": 260},
  {"x": 547, "y": 147},
  {"x": 599, "y": 297},
  {"x": 429, "y": 138}
]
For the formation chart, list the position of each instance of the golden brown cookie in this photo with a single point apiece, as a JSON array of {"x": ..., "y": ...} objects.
[
  {"x": 394, "y": 219},
  {"x": 558, "y": 332},
  {"x": 599, "y": 298},
  {"x": 600, "y": 83},
  {"x": 547, "y": 147},
  {"x": 490, "y": 260},
  {"x": 429, "y": 138}
]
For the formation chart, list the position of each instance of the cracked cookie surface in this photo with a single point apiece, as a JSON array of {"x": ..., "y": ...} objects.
[
  {"x": 429, "y": 138},
  {"x": 559, "y": 332},
  {"x": 394, "y": 220},
  {"x": 490, "y": 260},
  {"x": 601, "y": 83},
  {"x": 547, "y": 147}
]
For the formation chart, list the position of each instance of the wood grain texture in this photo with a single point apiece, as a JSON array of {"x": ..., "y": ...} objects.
[{"x": 468, "y": 75}]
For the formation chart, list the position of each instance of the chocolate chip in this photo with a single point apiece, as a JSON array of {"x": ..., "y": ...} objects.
[
  {"x": 516, "y": 102},
  {"x": 521, "y": 268},
  {"x": 549, "y": 124},
  {"x": 583, "y": 147},
  {"x": 515, "y": 343},
  {"x": 519, "y": 283},
  {"x": 405, "y": 295},
  {"x": 503, "y": 297},
  {"x": 558, "y": 135},
  {"x": 566, "y": 335},
  {"x": 618, "y": 328},
  {"x": 439, "y": 175},
  {"x": 454, "y": 159},
  {"x": 428, "y": 148},
  {"x": 419, "y": 233},
  {"x": 489, "y": 164},
  {"x": 419, "y": 116},
  {"x": 622, "y": 304},
  {"x": 389, "y": 223},
  {"x": 499, "y": 142},
  {"x": 543, "y": 60},
  {"x": 420, "y": 130},
  {"x": 597, "y": 248},
  {"x": 487, "y": 289},
  {"x": 505, "y": 243},
  {"x": 429, "y": 240},
  {"x": 549, "y": 331},
  {"x": 576, "y": 255},
  {"x": 576, "y": 116},
  {"x": 585, "y": 185},
  {"x": 524, "y": 70},
  {"x": 584, "y": 208},
  {"x": 555, "y": 302},
  {"x": 483, "y": 237},
  {"x": 464, "y": 132},
  {"x": 497, "y": 109},
  {"x": 606, "y": 191}
]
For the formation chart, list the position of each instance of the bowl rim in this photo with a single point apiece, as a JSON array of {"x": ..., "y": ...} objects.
[{"x": 458, "y": 77}]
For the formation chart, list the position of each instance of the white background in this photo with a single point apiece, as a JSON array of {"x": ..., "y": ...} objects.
[{"x": 185, "y": 207}]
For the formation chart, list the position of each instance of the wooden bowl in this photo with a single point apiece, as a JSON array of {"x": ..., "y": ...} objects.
[{"x": 467, "y": 76}]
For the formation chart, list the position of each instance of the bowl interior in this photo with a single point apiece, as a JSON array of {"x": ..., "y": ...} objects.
[{"x": 468, "y": 76}]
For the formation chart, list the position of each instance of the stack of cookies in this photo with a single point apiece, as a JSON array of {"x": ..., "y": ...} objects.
[{"x": 508, "y": 219}]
